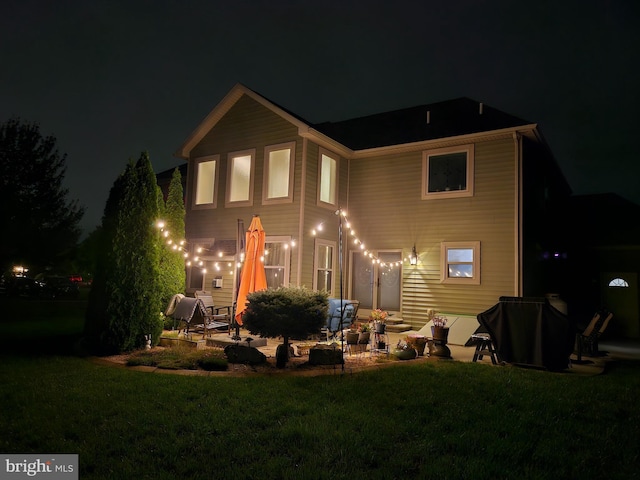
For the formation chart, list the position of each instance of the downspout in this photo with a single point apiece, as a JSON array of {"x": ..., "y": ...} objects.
[
  {"x": 303, "y": 176},
  {"x": 518, "y": 280},
  {"x": 346, "y": 253}
]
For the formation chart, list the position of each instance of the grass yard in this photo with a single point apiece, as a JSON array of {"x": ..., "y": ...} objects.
[{"x": 428, "y": 420}]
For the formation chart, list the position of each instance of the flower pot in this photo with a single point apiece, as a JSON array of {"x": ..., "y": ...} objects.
[
  {"x": 381, "y": 346},
  {"x": 380, "y": 327},
  {"x": 405, "y": 353},
  {"x": 418, "y": 342},
  {"x": 438, "y": 347},
  {"x": 363, "y": 337},
  {"x": 440, "y": 334},
  {"x": 352, "y": 338}
]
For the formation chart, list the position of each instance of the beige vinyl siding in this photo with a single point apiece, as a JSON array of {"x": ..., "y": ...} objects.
[
  {"x": 247, "y": 125},
  {"x": 387, "y": 212},
  {"x": 314, "y": 214}
]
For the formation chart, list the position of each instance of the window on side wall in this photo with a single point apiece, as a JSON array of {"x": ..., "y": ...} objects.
[
  {"x": 448, "y": 172},
  {"x": 277, "y": 261},
  {"x": 460, "y": 262},
  {"x": 206, "y": 182},
  {"x": 324, "y": 265},
  {"x": 327, "y": 178},
  {"x": 240, "y": 173},
  {"x": 278, "y": 174}
]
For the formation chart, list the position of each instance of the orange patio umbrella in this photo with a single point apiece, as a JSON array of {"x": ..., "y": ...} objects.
[{"x": 252, "y": 277}]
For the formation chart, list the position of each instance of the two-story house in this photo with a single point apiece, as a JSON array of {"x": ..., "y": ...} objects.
[{"x": 449, "y": 205}]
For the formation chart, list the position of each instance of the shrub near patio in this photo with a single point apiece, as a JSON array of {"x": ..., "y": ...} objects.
[{"x": 287, "y": 312}]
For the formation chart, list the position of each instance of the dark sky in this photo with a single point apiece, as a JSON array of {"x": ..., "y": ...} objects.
[{"x": 110, "y": 79}]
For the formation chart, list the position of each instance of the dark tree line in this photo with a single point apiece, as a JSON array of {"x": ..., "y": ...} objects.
[{"x": 39, "y": 222}]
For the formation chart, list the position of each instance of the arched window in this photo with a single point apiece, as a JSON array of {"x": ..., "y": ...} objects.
[{"x": 618, "y": 282}]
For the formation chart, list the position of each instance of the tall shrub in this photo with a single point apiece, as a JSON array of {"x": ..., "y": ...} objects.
[
  {"x": 126, "y": 305},
  {"x": 172, "y": 271}
]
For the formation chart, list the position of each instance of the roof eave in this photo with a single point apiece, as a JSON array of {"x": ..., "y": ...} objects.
[
  {"x": 221, "y": 109},
  {"x": 528, "y": 130}
]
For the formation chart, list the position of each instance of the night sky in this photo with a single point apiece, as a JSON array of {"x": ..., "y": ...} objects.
[{"x": 110, "y": 79}]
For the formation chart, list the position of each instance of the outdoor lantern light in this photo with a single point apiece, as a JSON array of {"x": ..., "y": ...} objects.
[{"x": 413, "y": 258}]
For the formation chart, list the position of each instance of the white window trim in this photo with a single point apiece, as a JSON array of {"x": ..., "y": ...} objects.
[
  {"x": 286, "y": 240},
  {"x": 336, "y": 157},
  {"x": 230, "y": 157},
  {"x": 197, "y": 162},
  {"x": 319, "y": 242},
  {"x": 265, "y": 184},
  {"x": 468, "y": 192},
  {"x": 444, "y": 270}
]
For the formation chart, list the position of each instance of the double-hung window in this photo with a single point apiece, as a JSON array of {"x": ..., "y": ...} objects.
[
  {"x": 448, "y": 172},
  {"x": 327, "y": 178},
  {"x": 278, "y": 173},
  {"x": 460, "y": 262},
  {"x": 323, "y": 265},
  {"x": 240, "y": 176},
  {"x": 206, "y": 182},
  {"x": 277, "y": 261}
]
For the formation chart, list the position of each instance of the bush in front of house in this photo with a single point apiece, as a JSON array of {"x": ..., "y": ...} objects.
[{"x": 289, "y": 312}]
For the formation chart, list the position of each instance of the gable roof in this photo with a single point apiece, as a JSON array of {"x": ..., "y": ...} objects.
[{"x": 452, "y": 118}]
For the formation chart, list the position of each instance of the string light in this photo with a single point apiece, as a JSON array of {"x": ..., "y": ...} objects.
[
  {"x": 356, "y": 241},
  {"x": 195, "y": 260}
]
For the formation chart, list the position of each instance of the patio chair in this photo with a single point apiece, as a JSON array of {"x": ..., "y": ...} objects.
[
  {"x": 335, "y": 315},
  {"x": 192, "y": 316},
  {"x": 587, "y": 341},
  {"x": 171, "y": 308},
  {"x": 215, "y": 314}
]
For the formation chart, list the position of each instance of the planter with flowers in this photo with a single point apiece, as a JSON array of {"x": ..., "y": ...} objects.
[
  {"x": 379, "y": 319},
  {"x": 438, "y": 346},
  {"x": 418, "y": 342},
  {"x": 364, "y": 334},
  {"x": 404, "y": 351}
]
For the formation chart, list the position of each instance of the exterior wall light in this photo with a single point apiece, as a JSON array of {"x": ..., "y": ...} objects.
[{"x": 413, "y": 258}]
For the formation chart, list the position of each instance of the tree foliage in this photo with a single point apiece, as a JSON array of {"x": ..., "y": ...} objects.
[
  {"x": 172, "y": 212},
  {"x": 124, "y": 304},
  {"x": 39, "y": 223},
  {"x": 288, "y": 312}
]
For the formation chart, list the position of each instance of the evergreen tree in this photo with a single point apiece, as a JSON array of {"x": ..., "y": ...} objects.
[
  {"x": 287, "y": 312},
  {"x": 126, "y": 304},
  {"x": 39, "y": 223},
  {"x": 172, "y": 271}
]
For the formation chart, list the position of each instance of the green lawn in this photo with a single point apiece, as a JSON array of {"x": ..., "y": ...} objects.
[{"x": 428, "y": 420}]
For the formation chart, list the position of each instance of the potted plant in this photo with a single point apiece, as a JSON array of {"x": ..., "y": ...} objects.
[
  {"x": 418, "y": 342},
  {"x": 379, "y": 318},
  {"x": 404, "y": 351},
  {"x": 365, "y": 333},
  {"x": 438, "y": 347}
]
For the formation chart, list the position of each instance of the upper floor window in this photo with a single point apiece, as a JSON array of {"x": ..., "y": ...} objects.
[
  {"x": 206, "y": 182},
  {"x": 460, "y": 262},
  {"x": 327, "y": 178},
  {"x": 278, "y": 173},
  {"x": 240, "y": 178},
  {"x": 447, "y": 172}
]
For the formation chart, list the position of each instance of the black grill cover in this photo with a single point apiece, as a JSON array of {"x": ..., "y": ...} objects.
[{"x": 530, "y": 331}]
